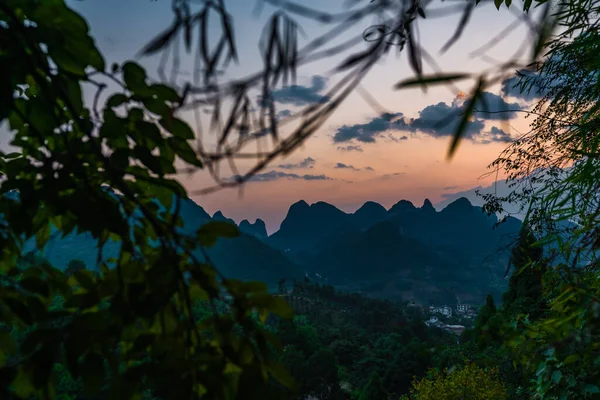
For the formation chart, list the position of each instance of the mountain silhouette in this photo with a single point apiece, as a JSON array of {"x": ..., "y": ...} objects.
[
  {"x": 369, "y": 214},
  {"x": 258, "y": 229},
  {"x": 305, "y": 226}
]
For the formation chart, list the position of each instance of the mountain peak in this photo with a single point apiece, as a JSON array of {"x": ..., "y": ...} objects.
[
  {"x": 299, "y": 205},
  {"x": 218, "y": 216},
  {"x": 427, "y": 206},
  {"x": 258, "y": 229},
  {"x": 459, "y": 204},
  {"x": 371, "y": 205},
  {"x": 402, "y": 206},
  {"x": 369, "y": 214}
]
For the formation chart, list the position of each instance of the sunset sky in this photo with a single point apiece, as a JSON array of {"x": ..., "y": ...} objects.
[{"x": 358, "y": 155}]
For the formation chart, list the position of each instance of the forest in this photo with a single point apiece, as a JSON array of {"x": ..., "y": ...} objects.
[{"x": 157, "y": 319}]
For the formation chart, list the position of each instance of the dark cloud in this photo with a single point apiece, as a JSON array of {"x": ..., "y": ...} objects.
[
  {"x": 345, "y": 166},
  {"x": 350, "y": 148},
  {"x": 494, "y": 107},
  {"x": 393, "y": 175},
  {"x": 441, "y": 119},
  {"x": 352, "y": 167},
  {"x": 369, "y": 132},
  {"x": 298, "y": 95},
  {"x": 494, "y": 135},
  {"x": 450, "y": 188},
  {"x": 278, "y": 175},
  {"x": 308, "y": 162}
]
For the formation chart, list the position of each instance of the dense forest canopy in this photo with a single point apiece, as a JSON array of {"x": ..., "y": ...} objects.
[{"x": 158, "y": 320}]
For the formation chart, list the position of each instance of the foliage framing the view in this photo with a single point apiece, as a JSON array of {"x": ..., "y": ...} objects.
[
  {"x": 133, "y": 322},
  {"x": 102, "y": 172}
]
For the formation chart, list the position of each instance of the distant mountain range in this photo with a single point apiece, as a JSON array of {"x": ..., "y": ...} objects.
[{"x": 406, "y": 252}]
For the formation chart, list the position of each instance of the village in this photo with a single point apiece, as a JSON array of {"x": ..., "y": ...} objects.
[{"x": 462, "y": 313}]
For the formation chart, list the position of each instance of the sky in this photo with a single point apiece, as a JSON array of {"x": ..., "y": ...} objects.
[{"x": 360, "y": 154}]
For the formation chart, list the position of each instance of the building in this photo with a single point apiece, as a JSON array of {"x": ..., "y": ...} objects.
[
  {"x": 466, "y": 311},
  {"x": 444, "y": 310}
]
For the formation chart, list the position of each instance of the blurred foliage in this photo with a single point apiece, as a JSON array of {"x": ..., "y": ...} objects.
[
  {"x": 468, "y": 382},
  {"x": 129, "y": 328}
]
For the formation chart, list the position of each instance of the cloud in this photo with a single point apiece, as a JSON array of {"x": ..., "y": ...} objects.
[
  {"x": 442, "y": 119},
  {"x": 494, "y": 135},
  {"x": 350, "y": 148},
  {"x": 278, "y": 175},
  {"x": 298, "y": 95},
  {"x": 308, "y": 162},
  {"x": 352, "y": 167},
  {"x": 369, "y": 132},
  {"x": 450, "y": 188},
  {"x": 438, "y": 120},
  {"x": 494, "y": 107},
  {"x": 393, "y": 175}
]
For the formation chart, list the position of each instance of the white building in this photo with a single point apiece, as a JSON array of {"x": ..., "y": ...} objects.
[{"x": 444, "y": 310}]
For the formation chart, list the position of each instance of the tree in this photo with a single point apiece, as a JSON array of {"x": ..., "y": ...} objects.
[
  {"x": 525, "y": 293},
  {"x": 131, "y": 328},
  {"x": 554, "y": 172},
  {"x": 468, "y": 382},
  {"x": 374, "y": 389}
]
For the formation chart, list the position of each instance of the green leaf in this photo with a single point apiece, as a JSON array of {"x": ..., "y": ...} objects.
[
  {"x": 571, "y": 359},
  {"x": 433, "y": 79},
  {"x": 557, "y": 376},
  {"x": 498, "y": 3},
  {"x": 177, "y": 128},
  {"x": 165, "y": 93},
  {"x": 183, "y": 150},
  {"x": 135, "y": 78},
  {"x": 42, "y": 236},
  {"x": 116, "y": 100},
  {"x": 12, "y": 155},
  {"x": 148, "y": 159}
]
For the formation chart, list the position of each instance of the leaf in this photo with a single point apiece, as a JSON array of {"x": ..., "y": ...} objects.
[
  {"x": 162, "y": 40},
  {"x": 182, "y": 148},
  {"x": 177, "y": 128},
  {"x": 433, "y": 79},
  {"x": 135, "y": 78},
  {"x": 571, "y": 359},
  {"x": 421, "y": 12},
  {"x": 116, "y": 100},
  {"x": 468, "y": 112},
  {"x": 498, "y": 3},
  {"x": 557, "y": 376},
  {"x": 12, "y": 155}
]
